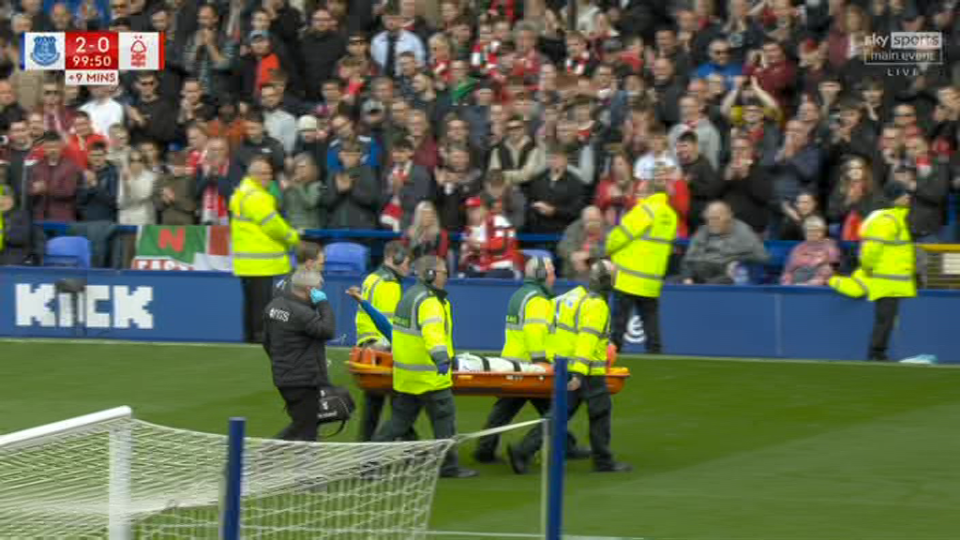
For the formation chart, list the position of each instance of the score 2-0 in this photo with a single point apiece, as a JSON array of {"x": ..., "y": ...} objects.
[{"x": 91, "y": 51}]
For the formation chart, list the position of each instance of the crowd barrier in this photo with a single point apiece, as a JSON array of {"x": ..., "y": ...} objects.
[{"x": 726, "y": 321}]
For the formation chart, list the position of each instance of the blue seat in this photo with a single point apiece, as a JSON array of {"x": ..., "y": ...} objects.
[
  {"x": 67, "y": 251},
  {"x": 346, "y": 258},
  {"x": 542, "y": 253}
]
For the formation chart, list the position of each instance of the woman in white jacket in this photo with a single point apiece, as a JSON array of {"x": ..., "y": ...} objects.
[{"x": 135, "y": 193}]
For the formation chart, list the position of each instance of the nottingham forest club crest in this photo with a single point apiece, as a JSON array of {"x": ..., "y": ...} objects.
[{"x": 45, "y": 51}]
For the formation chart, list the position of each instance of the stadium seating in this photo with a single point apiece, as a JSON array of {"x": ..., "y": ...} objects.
[
  {"x": 528, "y": 253},
  {"x": 68, "y": 251},
  {"x": 346, "y": 258}
]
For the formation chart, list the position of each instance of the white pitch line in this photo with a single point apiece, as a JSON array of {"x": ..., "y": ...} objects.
[
  {"x": 629, "y": 358},
  {"x": 526, "y": 535}
]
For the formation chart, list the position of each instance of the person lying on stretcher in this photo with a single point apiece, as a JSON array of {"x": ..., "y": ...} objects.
[{"x": 463, "y": 362}]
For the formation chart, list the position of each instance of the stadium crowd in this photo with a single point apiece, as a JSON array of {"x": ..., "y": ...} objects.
[{"x": 767, "y": 120}]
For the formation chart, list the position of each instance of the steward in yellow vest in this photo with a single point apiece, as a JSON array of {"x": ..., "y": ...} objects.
[
  {"x": 887, "y": 266},
  {"x": 382, "y": 288},
  {"x": 530, "y": 317},
  {"x": 588, "y": 367},
  {"x": 422, "y": 356},
  {"x": 261, "y": 241},
  {"x": 640, "y": 248}
]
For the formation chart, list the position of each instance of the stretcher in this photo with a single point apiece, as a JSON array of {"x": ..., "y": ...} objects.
[{"x": 373, "y": 372}]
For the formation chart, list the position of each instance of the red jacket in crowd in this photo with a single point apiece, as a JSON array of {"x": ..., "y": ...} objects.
[
  {"x": 498, "y": 245},
  {"x": 54, "y": 190}
]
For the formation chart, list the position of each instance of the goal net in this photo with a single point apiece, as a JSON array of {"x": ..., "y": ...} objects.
[{"x": 108, "y": 475}]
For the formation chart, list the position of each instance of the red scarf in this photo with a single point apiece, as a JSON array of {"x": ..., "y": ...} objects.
[
  {"x": 214, "y": 210},
  {"x": 578, "y": 65}
]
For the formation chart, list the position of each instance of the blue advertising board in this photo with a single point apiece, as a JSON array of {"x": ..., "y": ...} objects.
[{"x": 755, "y": 322}]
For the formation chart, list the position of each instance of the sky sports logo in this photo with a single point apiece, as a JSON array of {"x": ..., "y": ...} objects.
[{"x": 903, "y": 49}]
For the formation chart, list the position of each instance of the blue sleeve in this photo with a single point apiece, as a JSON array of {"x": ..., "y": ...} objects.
[{"x": 379, "y": 320}]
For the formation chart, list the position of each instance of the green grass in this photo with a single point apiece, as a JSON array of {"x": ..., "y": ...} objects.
[{"x": 722, "y": 450}]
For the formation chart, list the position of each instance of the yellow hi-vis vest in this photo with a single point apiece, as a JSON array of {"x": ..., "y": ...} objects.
[
  {"x": 382, "y": 289},
  {"x": 593, "y": 334},
  {"x": 640, "y": 246},
  {"x": 887, "y": 259},
  {"x": 567, "y": 311},
  {"x": 422, "y": 331},
  {"x": 260, "y": 237},
  {"x": 529, "y": 318}
]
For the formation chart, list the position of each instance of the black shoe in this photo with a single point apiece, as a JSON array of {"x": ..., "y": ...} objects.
[
  {"x": 459, "y": 473},
  {"x": 484, "y": 457},
  {"x": 518, "y": 463},
  {"x": 578, "y": 453},
  {"x": 615, "y": 467},
  {"x": 879, "y": 358}
]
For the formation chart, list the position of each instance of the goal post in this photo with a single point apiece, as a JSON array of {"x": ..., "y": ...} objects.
[{"x": 41, "y": 500}]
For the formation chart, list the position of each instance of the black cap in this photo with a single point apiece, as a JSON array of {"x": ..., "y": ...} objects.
[{"x": 894, "y": 190}]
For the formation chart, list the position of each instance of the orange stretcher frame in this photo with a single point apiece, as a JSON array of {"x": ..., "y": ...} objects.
[{"x": 373, "y": 371}]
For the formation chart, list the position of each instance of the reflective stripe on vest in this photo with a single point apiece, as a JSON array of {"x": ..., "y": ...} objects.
[
  {"x": 415, "y": 367},
  {"x": 891, "y": 277},
  {"x": 634, "y": 273},
  {"x": 646, "y": 236},
  {"x": 271, "y": 255},
  {"x": 626, "y": 232},
  {"x": 883, "y": 241}
]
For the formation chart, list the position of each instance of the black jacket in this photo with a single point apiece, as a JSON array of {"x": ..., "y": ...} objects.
[
  {"x": 17, "y": 238},
  {"x": 320, "y": 53},
  {"x": 749, "y": 198},
  {"x": 565, "y": 195},
  {"x": 706, "y": 185},
  {"x": 295, "y": 335},
  {"x": 99, "y": 203},
  {"x": 928, "y": 212}
]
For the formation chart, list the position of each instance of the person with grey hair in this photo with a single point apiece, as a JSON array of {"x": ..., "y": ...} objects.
[
  {"x": 812, "y": 262},
  {"x": 297, "y": 325}
]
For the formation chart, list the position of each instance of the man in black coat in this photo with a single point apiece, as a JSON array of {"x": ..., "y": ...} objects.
[
  {"x": 746, "y": 190},
  {"x": 704, "y": 182},
  {"x": 321, "y": 48},
  {"x": 16, "y": 231},
  {"x": 297, "y": 325},
  {"x": 556, "y": 196}
]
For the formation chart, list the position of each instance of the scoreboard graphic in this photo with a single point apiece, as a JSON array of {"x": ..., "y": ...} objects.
[{"x": 92, "y": 58}]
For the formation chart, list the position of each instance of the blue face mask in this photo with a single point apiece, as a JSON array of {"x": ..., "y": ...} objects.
[{"x": 317, "y": 296}]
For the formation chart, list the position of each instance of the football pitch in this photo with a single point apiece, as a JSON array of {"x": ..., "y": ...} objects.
[{"x": 722, "y": 450}]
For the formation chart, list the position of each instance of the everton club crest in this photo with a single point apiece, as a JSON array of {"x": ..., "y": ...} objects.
[{"x": 45, "y": 51}]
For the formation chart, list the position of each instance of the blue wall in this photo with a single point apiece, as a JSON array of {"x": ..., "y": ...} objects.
[{"x": 775, "y": 322}]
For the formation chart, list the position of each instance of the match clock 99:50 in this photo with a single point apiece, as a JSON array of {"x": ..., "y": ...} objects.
[{"x": 91, "y": 50}]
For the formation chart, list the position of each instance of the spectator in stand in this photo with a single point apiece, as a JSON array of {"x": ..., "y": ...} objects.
[
  {"x": 119, "y": 153},
  {"x": 81, "y": 139},
  {"x": 425, "y": 236},
  {"x": 742, "y": 32},
  {"x": 854, "y": 197},
  {"x": 850, "y": 135},
  {"x": 16, "y": 231},
  {"x": 668, "y": 175},
  {"x": 658, "y": 151},
  {"x": 20, "y": 153},
  {"x": 405, "y": 184},
  {"x": 456, "y": 182},
  {"x": 504, "y": 199},
  {"x": 813, "y": 261},
  {"x": 719, "y": 246},
  {"x": 489, "y": 246},
  {"x": 692, "y": 118},
  {"x": 150, "y": 116},
  {"x": 97, "y": 195},
  {"x": 795, "y": 168},
  {"x": 667, "y": 89},
  {"x": 425, "y": 153},
  {"x": 217, "y": 177},
  {"x": 302, "y": 195},
  {"x": 193, "y": 106},
  {"x": 394, "y": 39},
  {"x": 279, "y": 124},
  {"x": 228, "y": 124},
  {"x": 258, "y": 143},
  {"x": 774, "y": 71},
  {"x": 617, "y": 193},
  {"x": 753, "y": 121},
  {"x": 702, "y": 180},
  {"x": 10, "y": 110},
  {"x": 210, "y": 51},
  {"x": 53, "y": 183},
  {"x": 173, "y": 195},
  {"x": 746, "y": 191},
  {"x": 720, "y": 63},
  {"x": 581, "y": 154},
  {"x": 135, "y": 193},
  {"x": 796, "y": 213},
  {"x": 56, "y": 117},
  {"x": 343, "y": 128},
  {"x": 352, "y": 197},
  {"x": 322, "y": 45},
  {"x": 556, "y": 196},
  {"x": 153, "y": 156},
  {"x": 583, "y": 244},
  {"x": 517, "y": 156},
  {"x": 313, "y": 139},
  {"x": 928, "y": 187}
]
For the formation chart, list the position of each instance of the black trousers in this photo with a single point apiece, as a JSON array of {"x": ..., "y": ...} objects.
[
  {"x": 649, "y": 311},
  {"x": 303, "y": 407},
  {"x": 884, "y": 317},
  {"x": 504, "y": 411},
  {"x": 441, "y": 411},
  {"x": 372, "y": 409},
  {"x": 593, "y": 391},
  {"x": 257, "y": 292}
]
